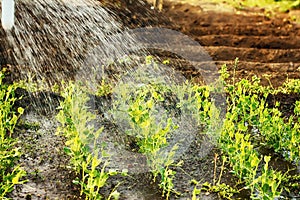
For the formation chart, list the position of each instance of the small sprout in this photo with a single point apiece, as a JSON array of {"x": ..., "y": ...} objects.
[{"x": 166, "y": 62}]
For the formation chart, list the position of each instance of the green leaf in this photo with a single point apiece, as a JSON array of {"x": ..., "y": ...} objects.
[
  {"x": 67, "y": 150},
  {"x": 115, "y": 194},
  {"x": 20, "y": 110}
]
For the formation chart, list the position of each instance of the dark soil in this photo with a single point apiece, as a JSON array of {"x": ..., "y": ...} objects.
[{"x": 264, "y": 46}]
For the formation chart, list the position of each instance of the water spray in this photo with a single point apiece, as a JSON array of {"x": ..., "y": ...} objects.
[{"x": 8, "y": 14}]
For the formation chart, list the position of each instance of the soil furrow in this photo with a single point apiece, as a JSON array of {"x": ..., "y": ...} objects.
[
  {"x": 274, "y": 73},
  {"x": 186, "y": 10},
  {"x": 254, "y": 55},
  {"x": 265, "y": 67},
  {"x": 261, "y": 42},
  {"x": 262, "y": 67},
  {"x": 241, "y": 29},
  {"x": 263, "y": 45}
]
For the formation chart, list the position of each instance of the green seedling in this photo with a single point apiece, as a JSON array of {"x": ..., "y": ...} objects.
[
  {"x": 89, "y": 164},
  {"x": 10, "y": 174},
  {"x": 249, "y": 122},
  {"x": 248, "y": 116},
  {"x": 267, "y": 185},
  {"x": 150, "y": 115},
  {"x": 152, "y": 135},
  {"x": 223, "y": 190},
  {"x": 104, "y": 88}
]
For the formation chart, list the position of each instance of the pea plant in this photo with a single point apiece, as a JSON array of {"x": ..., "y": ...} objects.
[
  {"x": 152, "y": 132},
  {"x": 147, "y": 110},
  {"x": 88, "y": 163},
  {"x": 151, "y": 106},
  {"x": 249, "y": 118},
  {"x": 280, "y": 134},
  {"x": 10, "y": 174}
]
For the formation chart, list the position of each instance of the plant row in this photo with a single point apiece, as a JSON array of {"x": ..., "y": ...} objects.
[
  {"x": 147, "y": 109},
  {"x": 10, "y": 173},
  {"x": 250, "y": 124}
]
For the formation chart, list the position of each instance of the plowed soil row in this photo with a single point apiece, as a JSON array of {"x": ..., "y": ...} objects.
[{"x": 263, "y": 45}]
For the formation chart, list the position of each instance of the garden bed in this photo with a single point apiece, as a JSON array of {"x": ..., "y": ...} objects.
[{"x": 266, "y": 47}]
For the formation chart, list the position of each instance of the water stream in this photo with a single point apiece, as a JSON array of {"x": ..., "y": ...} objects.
[{"x": 53, "y": 38}]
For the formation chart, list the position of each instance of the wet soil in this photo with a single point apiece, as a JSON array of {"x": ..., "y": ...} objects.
[{"x": 264, "y": 46}]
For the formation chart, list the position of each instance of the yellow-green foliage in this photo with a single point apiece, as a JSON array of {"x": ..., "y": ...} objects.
[
  {"x": 88, "y": 163},
  {"x": 270, "y": 5},
  {"x": 10, "y": 174},
  {"x": 249, "y": 123},
  {"x": 248, "y": 116},
  {"x": 152, "y": 135}
]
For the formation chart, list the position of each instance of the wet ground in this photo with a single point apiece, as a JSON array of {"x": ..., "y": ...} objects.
[{"x": 264, "y": 45}]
